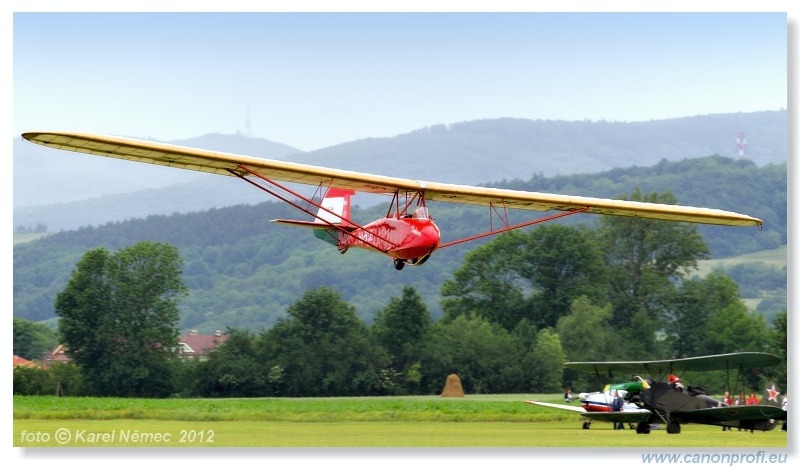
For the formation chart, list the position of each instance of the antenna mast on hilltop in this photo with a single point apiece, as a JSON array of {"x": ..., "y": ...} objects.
[{"x": 741, "y": 143}]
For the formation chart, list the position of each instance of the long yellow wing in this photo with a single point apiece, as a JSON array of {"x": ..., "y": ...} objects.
[{"x": 223, "y": 163}]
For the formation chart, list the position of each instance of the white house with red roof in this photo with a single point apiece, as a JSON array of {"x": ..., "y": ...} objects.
[
  {"x": 194, "y": 346},
  {"x": 57, "y": 355}
]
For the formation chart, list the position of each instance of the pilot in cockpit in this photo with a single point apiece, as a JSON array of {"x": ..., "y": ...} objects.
[
  {"x": 422, "y": 213},
  {"x": 675, "y": 382}
]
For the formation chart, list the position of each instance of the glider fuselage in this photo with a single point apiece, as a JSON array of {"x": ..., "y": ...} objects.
[{"x": 410, "y": 238}]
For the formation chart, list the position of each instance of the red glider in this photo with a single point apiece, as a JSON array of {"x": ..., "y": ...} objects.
[{"x": 407, "y": 233}]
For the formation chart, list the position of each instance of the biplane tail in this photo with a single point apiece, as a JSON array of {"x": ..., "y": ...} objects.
[{"x": 772, "y": 396}]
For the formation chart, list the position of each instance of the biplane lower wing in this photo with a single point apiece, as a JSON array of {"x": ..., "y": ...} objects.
[
  {"x": 229, "y": 164},
  {"x": 628, "y": 416},
  {"x": 724, "y": 414},
  {"x": 571, "y": 408}
]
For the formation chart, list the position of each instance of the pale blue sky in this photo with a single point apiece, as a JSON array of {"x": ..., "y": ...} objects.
[{"x": 312, "y": 80}]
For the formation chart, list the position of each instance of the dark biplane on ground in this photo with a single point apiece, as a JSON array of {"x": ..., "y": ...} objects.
[{"x": 662, "y": 399}]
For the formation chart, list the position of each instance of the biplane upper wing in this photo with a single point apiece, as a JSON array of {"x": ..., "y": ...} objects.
[
  {"x": 678, "y": 365},
  {"x": 231, "y": 164}
]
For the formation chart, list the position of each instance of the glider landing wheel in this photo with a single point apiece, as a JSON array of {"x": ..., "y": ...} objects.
[
  {"x": 586, "y": 425},
  {"x": 643, "y": 428},
  {"x": 399, "y": 264},
  {"x": 673, "y": 427}
]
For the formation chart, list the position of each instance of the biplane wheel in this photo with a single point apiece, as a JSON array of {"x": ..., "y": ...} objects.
[
  {"x": 342, "y": 250},
  {"x": 643, "y": 428},
  {"x": 399, "y": 264},
  {"x": 673, "y": 427},
  {"x": 586, "y": 425}
]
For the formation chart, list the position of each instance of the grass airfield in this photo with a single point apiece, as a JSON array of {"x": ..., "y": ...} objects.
[
  {"x": 485, "y": 421},
  {"x": 159, "y": 433}
]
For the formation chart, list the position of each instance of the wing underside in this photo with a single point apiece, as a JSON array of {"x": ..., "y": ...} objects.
[{"x": 231, "y": 164}]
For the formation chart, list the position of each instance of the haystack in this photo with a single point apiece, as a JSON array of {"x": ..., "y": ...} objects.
[{"x": 452, "y": 387}]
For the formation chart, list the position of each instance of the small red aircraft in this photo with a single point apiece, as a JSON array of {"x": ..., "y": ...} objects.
[
  {"x": 407, "y": 233},
  {"x": 408, "y": 238}
]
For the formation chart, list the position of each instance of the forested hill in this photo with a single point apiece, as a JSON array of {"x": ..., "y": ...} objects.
[{"x": 244, "y": 272}]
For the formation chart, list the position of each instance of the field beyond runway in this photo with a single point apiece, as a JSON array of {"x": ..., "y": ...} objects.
[{"x": 485, "y": 421}]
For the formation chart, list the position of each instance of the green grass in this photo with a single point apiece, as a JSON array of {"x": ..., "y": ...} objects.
[
  {"x": 349, "y": 434},
  {"x": 498, "y": 408},
  {"x": 362, "y": 422}
]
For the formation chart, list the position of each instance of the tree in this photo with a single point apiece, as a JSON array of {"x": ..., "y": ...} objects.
[
  {"x": 323, "y": 349},
  {"x": 483, "y": 354},
  {"x": 233, "y": 369},
  {"x": 695, "y": 302},
  {"x": 32, "y": 340},
  {"x": 31, "y": 381},
  {"x": 561, "y": 263},
  {"x": 119, "y": 315},
  {"x": 735, "y": 329},
  {"x": 402, "y": 329},
  {"x": 779, "y": 348},
  {"x": 585, "y": 335},
  {"x": 487, "y": 284},
  {"x": 643, "y": 258},
  {"x": 548, "y": 368},
  {"x": 552, "y": 265}
]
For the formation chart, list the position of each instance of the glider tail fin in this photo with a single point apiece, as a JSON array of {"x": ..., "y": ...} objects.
[
  {"x": 334, "y": 210},
  {"x": 335, "y": 206}
]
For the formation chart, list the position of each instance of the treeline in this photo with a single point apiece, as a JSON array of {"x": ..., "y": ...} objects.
[
  {"x": 514, "y": 311},
  {"x": 323, "y": 349}
]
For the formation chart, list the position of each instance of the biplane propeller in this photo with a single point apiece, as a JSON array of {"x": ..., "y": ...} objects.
[
  {"x": 407, "y": 233},
  {"x": 661, "y": 399}
]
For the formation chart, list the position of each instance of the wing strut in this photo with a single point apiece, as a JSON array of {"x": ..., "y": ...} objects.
[
  {"x": 492, "y": 232},
  {"x": 283, "y": 198}
]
